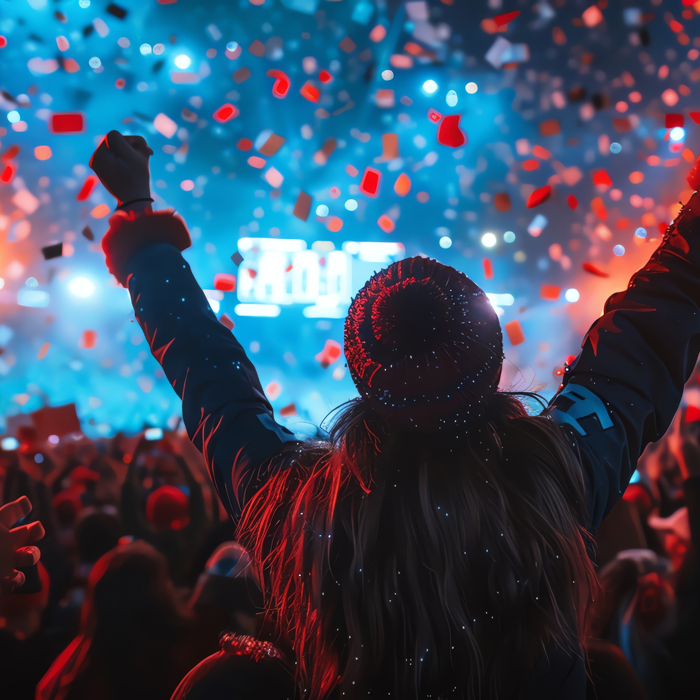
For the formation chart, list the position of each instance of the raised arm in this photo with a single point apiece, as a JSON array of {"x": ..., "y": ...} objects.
[
  {"x": 224, "y": 408},
  {"x": 624, "y": 388}
]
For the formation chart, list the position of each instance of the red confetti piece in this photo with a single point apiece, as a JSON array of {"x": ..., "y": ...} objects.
[
  {"x": 330, "y": 353},
  {"x": 695, "y": 116},
  {"x": 244, "y": 144},
  {"x": 515, "y": 332},
  {"x": 434, "y": 115},
  {"x": 281, "y": 84},
  {"x": 288, "y": 410},
  {"x": 572, "y": 201},
  {"x": 530, "y": 164},
  {"x": 7, "y": 174},
  {"x": 87, "y": 188},
  {"x": 302, "y": 206},
  {"x": 662, "y": 227},
  {"x": 502, "y": 201},
  {"x": 370, "y": 182},
  {"x": 539, "y": 196},
  {"x": 601, "y": 177},
  {"x": 550, "y": 127},
  {"x": 692, "y": 413},
  {"x": 693, "y": 178},
  {"x": 227, "y": 321},
  {"x": 3, "y": 42},
  {"x": 119, "y": 83},
  {"x": 10, "y": 153},
  {"x": 402, "y": 186},
  {"x": 89, "y": 340},
  {"x": 589, "y": 267},
  {"x": 449, "y": 133},
  {"x": 674, "y": 120},
  {"x": 500, "y": 20},
  {"x": 550, "y": 292},
  {"x": 542, "y": 153},
  {"x": 67, "y": 123},
  {"x": 310, "y": 92},
  {"x": 226, "y": 112},
  {"x": 44, "y": 349},
  {"x": 225, "y": 282},
  {"x": 598, "y": 207},
  {"x": 488, "y": 269},
  {"x": 386, "y": 224},
  {"x": 325, "y": 77}
]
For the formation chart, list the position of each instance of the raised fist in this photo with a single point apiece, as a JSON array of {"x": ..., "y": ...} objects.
[{"x": 121, "y": 163}]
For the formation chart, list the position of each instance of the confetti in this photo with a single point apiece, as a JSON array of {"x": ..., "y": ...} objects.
[
  {"x": 592, "y": 269},
  {"x": 599, "y": 208},
  {"x": 88, "y": 340},
  {"x": 330, "y": 353},
  {"x": 402, "y": 186},
  {"x": 501, "y": 201},
  {"x": 310, "y": 92},
  {"x": 44, "y": 349},
  {"x": 674, "y": 120},
  {"x": 325, "y": 77},
  {"x": 226, "y": 112},
  {"x": 386, "y": 224},
  {"x": 550, "y": 127},
  {"x": 52, "y": 251},
  {"x": 67, "y": 123},
  {"x": 370, "y": 182},
  {"x": 601, "y": 178},
  {"x": 225, "y": 282},
  {"x": 572, "y": 201},
  {"x": 488, "y": 269},
  {"x": 514, "y": 332},
  {"x": 165, "y": 125},
  {"x": 288, "y": 410},
  {"x": 87, "y": 233},
  {"x": 449, "y": 133},
  {"x": 87, "y": 188},
  {"x": 280, "y": 87},
  {"x": 272, "y": 145},
  {"x": 550, "y": 292},
  {"x": 237, "y": 259},
  {"x": 693, "y": 177},
  {"x": 241, "y": 75},
  {"x": 502, "y": 20},
  {"x": 302, "y": 207},
  {"x": 539, "y": 196},
  {"x": 348, "y": 45},
  {"x": 227, "y": 321}
]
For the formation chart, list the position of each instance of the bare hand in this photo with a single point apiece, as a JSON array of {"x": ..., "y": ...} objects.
[
  {"x": 14, "y": 550},
  {"x": 121, "y": 163}
]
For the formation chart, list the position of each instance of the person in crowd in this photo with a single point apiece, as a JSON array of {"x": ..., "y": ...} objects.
[
  {"x": 437, "y": 542},
  {"x": 27, "y": 649},
  {"x": 17, "y": 550},
  {"x": 228, "y": 599},
  {"x": 173, "y": 521},
  {"x": 134, "y": 639}
]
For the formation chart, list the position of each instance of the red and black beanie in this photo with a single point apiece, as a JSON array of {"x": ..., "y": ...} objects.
[{"x": 424, "y": 345}]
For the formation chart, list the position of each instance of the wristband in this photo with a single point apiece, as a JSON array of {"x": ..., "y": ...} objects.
[{"x": 133, "y": 201}]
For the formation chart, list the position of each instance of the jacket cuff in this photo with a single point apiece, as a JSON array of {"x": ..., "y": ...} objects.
[{"x": 129, "y": 233}]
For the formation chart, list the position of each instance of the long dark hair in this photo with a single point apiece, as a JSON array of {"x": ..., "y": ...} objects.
[{"x": 425, "y": 562}]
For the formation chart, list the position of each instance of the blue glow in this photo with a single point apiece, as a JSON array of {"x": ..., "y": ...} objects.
[
  {"x": 153, "y": 434},
  {"x": 33, "y": 298},
  {"x": 13, "y": 116},
  {"x": 508, "y": 236},
  {"x": 641, "y": 232},
  {"x": 615, "y": 147},
  {"x": 351, "y": 204},
  {"x": 321, "y": 210},
  {"x": 9, "y": 443},
  {"x": 445, "y": 242},
  {"x": 619, "y": 250}
]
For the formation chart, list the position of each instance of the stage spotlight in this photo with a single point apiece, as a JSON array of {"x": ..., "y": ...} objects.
[
  {"x": 430, "y": 86},
  {"x": 488, "y": 240},
  {"x": 182, "y": 61},
  {"x": 81, "y": 287},
  {"x": 572, "y": 295}
]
